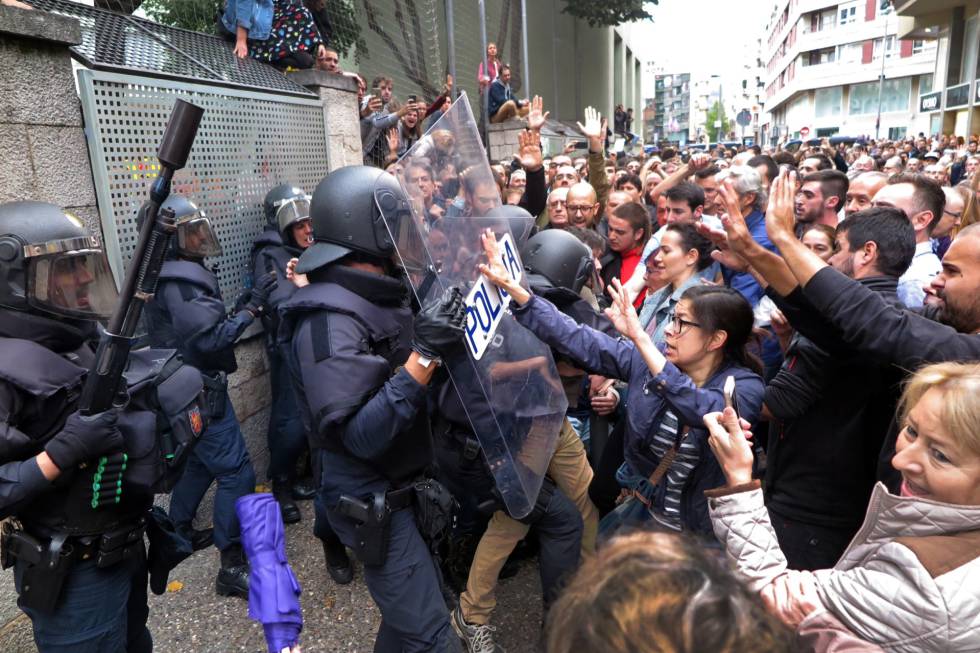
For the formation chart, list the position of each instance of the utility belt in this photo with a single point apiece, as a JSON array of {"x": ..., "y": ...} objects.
[
  {"x": 50, "y": 559},
  {"x": 435, "y": 513}
]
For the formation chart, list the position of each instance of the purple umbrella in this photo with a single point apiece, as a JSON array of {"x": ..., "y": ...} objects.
[{"x": 273, "y": 595}]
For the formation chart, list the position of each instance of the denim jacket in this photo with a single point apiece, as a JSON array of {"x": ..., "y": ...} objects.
[
  {"x": 253, "y": 15},
  {"x": 649, "y": 397}
]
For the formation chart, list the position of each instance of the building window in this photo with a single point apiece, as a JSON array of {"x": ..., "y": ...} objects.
[
  {"x": 828, "y": 101},
  {"x": 827, "y": 132},
  {"x": 894, "y": 97},
  {"x": 925, "y": 84},
  {"x": 849, "y": 53},
  {"x": 890, "y": 48},
  {"x": 895, "y": 133},
  {"x": 847, "y": 13},
  {"x": 918, "y": 46}
]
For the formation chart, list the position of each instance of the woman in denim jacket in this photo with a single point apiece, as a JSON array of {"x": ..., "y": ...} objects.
[{"x": 670, "y": 390}]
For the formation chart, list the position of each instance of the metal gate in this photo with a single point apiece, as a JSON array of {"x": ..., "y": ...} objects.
[
  {"x": 247, "y": 143},
  {"x": 260, "y": 128}
]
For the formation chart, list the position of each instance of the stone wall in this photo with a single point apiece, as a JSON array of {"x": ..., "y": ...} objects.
[
  {"x": 503, "y": 139},
  {"x": 43, "y": 155}
]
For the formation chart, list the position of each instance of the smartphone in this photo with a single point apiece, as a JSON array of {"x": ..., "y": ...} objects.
[
  {"x": 412, "y": 98},
  {"x": 729, "y": 391}
]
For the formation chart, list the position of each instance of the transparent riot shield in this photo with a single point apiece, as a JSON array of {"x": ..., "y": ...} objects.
[{"x": 507, "y": 382}]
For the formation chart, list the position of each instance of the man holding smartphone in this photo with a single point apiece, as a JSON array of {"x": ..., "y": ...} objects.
[{"x": 377, "y": 123}]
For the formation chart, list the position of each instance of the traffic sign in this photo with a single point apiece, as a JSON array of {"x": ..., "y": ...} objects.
[
  {"x": 744, "y": 118},
  {"x": 804, "y": 131}
]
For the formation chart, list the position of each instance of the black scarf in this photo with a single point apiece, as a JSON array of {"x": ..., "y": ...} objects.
[
  {"x": 377, "y": 289},
  {"x": 57, "y": 334}
]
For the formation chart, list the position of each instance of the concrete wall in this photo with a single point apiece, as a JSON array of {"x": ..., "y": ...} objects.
[{"x": 42, "y": 144}]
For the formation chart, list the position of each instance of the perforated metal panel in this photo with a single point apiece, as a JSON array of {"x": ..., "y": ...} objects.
[
  {"x": 247, "y": 143},
  {"x": 112, "y": 41}
]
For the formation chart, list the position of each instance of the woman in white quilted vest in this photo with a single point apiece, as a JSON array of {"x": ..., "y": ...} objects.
[{"x": 910, "y": 579}]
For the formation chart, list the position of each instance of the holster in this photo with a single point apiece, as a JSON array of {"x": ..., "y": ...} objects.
[
  {"x": 216, "y": 389},
  {"x": 372, "y": 526}
]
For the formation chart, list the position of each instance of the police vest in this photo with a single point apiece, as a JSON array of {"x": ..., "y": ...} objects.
[
  {"x": 193, "y": 279},
  {"x": 385, "y": 334},
  {"x": 160, "y": 425}
]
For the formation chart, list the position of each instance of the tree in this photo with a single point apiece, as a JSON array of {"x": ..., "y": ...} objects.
[
  {"x": 715, "y": 113},
  {"x": 195, "y": 15},
  {"x": 608, "y": 13}
]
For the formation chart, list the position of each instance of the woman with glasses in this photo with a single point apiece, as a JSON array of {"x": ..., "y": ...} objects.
[{"x": 668, "y": 463}]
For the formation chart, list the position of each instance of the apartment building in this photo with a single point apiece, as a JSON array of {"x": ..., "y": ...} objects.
[
  {"x": 823, "y": 61},
  {"x": 951, "y": 104},
  {"x": 672, "y": 108}
]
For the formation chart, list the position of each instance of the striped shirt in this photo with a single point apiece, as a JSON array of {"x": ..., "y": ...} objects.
[{"x": 677, "y": 475}]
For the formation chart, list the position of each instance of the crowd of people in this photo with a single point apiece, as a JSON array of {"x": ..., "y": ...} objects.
[{"x": 769, "y": 357}]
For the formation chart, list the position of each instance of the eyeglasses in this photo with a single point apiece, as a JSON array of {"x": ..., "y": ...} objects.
[
  {"x": 574, "y": 208},
  {"x": 679, "y": 326},
  {"x": 955, "y": 216}
]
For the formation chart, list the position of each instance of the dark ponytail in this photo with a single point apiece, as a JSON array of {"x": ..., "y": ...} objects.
[{"x": 717, "y": 308}]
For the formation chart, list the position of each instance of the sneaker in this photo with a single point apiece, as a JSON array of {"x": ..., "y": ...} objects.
[{"x": 477, "y": 638}]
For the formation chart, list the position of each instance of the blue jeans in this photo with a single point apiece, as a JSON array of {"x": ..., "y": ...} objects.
[
  {"x": 99, "y": 611},
  {"x": 286, "y": 435},
  {"x": 220, "y": 455}
]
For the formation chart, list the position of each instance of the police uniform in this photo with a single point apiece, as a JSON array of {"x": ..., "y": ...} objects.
[
  {"x": 76, "y": 542},
  {"x": 284, "y": 207},
  {"x": 345, "y": 337},
  {"x": 188, "y": 314}
]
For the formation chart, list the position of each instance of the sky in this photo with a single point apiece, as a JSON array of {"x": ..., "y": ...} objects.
[{"x": 692, "y": 36}]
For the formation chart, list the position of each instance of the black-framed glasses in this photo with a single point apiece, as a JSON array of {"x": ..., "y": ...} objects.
[
  {"x": 679, "y": 326},
  {"x": 575, "y": 208},
  {"x": 955, "y": 216}
]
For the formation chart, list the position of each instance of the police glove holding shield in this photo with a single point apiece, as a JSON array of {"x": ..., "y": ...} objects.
[{"x": 362, "y": 364}]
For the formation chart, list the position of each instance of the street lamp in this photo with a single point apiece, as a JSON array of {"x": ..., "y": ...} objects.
[{"x": 885, "y": 7}]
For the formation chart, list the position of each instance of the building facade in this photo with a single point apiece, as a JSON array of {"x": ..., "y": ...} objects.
[
  {"x": 672, "y": 108},
  {"x": 951, "y": 103},
  {"x": 824, "y": 63}
]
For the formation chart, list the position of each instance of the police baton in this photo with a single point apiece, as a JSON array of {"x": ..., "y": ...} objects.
[{"x": 155, "y": 230}]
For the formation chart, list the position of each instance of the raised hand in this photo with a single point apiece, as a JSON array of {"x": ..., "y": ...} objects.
[
  {"x": 780, "y": 214},
  {"x": 593, "y": 124},
  {"x": 730, "y": 446},
  {"x": 622, "y": 313},
  {"x": 739, "y": 237},
  {"x": 537, "y": 116},
  {"x": 530, "y": 150},
  {"x": 698, "y": 161},
  {"x": 393, "y": 140},
  {"x": 496, "y": 273}
]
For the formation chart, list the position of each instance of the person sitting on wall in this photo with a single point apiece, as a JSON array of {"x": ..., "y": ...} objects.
[
  {"x": 277, "y": 32},
  {"x": 502, "y": 105}
]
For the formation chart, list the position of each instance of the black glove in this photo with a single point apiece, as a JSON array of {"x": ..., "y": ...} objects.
[
  {"x": 440, "y": 325},
  {"x": 258, "y": 303},
  {"x": 84, "y": 439}
]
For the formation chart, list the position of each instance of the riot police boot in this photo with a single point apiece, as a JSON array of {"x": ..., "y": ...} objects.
[
  {"x": 303, "y": 490},
  {"x": 338, "y": 562},
  {"x": 282, "y": 491},
  {"x": 232, "y": 578},
  {"x": 200, "y": 538}
]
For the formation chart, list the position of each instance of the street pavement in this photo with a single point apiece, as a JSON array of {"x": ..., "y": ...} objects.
[{"x": 337, "y": 618}]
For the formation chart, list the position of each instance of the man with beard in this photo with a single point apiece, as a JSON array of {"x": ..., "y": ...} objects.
[
  {"x": 947, "y": 330},
  {"x": 830, "y": 408},
  {"x": 819, "y": 199},
  {"x": 582, "y": 205}
]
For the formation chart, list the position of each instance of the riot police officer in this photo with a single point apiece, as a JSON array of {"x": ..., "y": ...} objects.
[
  {"x": 188, "y": 314},
  {"x": 362, "y": 364},
  {"x": 80, "y": 566},
  {"x": 288, "y": 232}
]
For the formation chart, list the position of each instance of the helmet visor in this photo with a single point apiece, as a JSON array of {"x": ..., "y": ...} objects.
[
  {"x": 73, "y": 284},
  {"x": 195, "y": 237},
  {"x": 292, "y": 211}
]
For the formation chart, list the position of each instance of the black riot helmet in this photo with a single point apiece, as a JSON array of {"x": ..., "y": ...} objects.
[
  {"x": 556, "y": 258},
  {"x": 521, "y": 222},
  {"x": 195, "y": 236},
  {"x": 49, "y": 263},
  {"x": 352, "y": 210},
  {"x": 285, "y": 205}
]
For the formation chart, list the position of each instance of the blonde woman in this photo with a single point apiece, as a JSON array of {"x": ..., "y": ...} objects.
[{"x": 910, "y": 579}]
